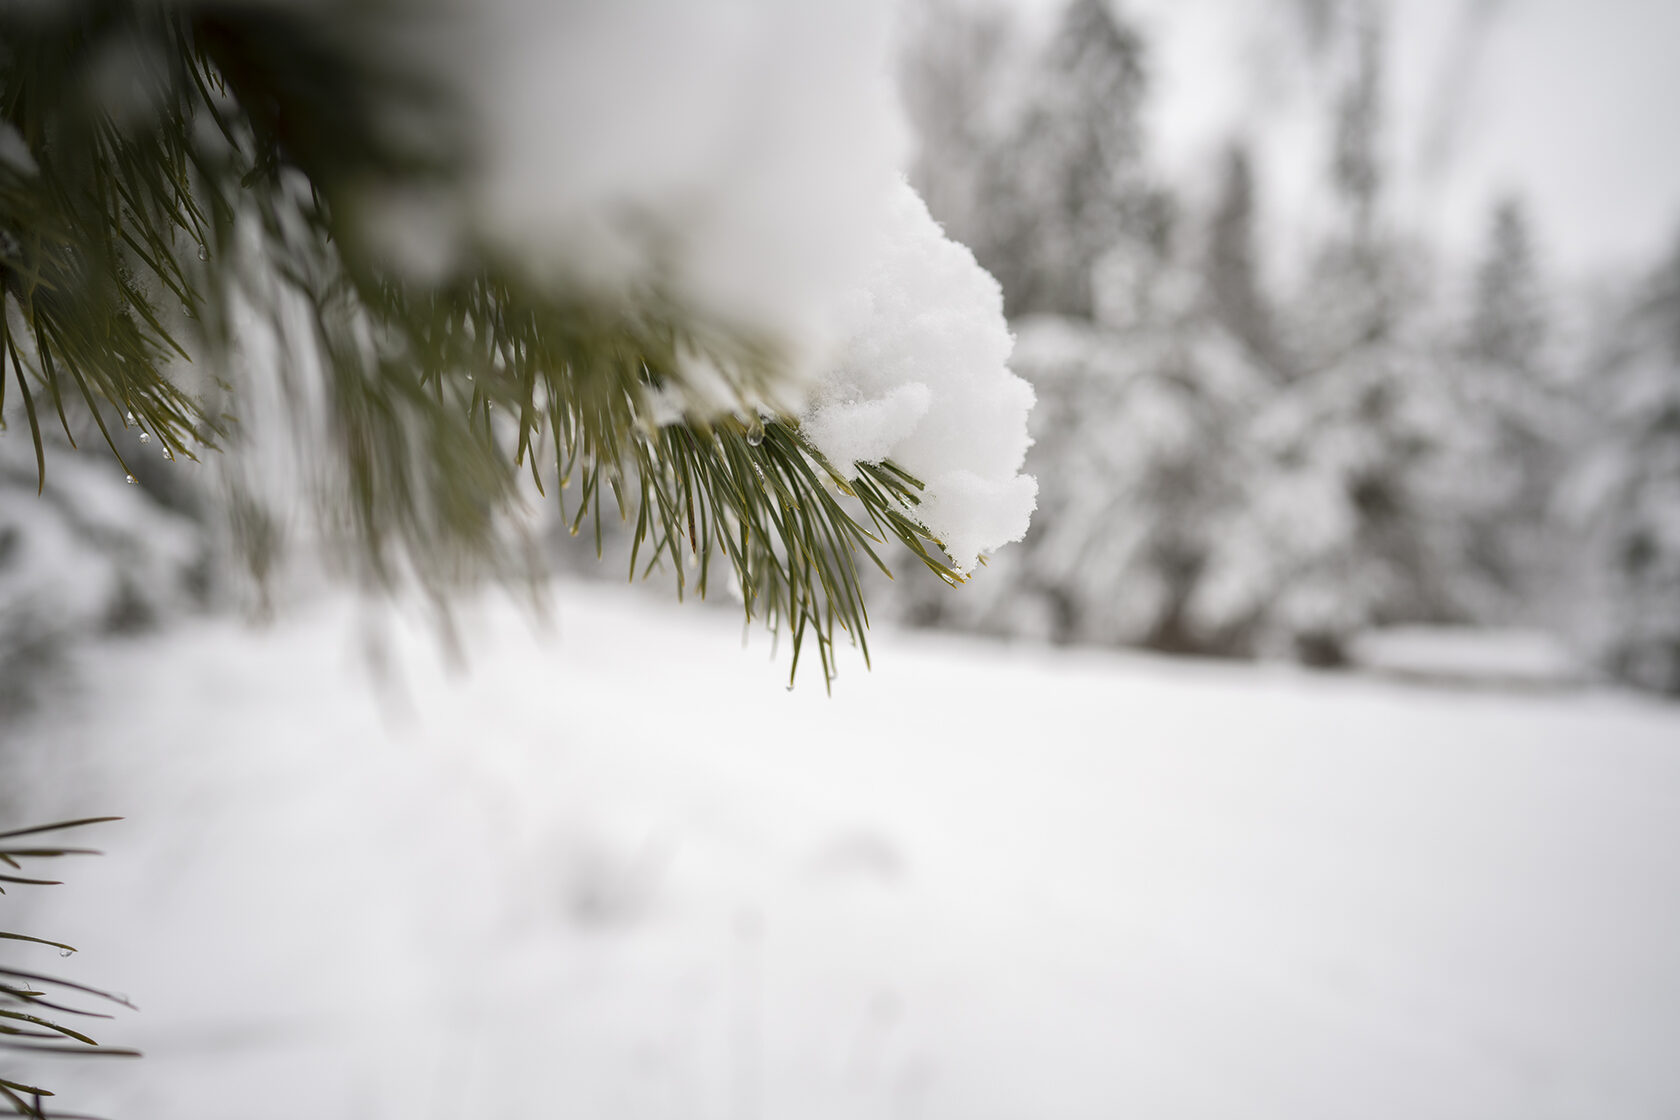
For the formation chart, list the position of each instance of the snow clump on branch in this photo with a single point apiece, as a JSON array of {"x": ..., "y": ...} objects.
[
  {"x": 923, "y": 380},
  {"x": 743, "y": 161}
]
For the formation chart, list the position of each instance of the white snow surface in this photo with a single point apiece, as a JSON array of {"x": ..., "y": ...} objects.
[
  {"x": 924, "y": 381},
  {"x": 615, "y": 870},
  {"x": 1469, "y": 656}
]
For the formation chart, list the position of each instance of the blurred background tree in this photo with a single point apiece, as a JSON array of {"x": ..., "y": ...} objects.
[
  {"x": 1627, "y": 490},
  {"x": 1256, "y": 445}
]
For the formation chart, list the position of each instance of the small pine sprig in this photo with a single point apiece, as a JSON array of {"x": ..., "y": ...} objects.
[
  {"x": 758, "y": 495},
  {"x": 32, "y": 1006}
]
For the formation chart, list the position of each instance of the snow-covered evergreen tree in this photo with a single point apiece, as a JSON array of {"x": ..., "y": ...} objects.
[
  {"x": 1508, "y": 325},
  {"x": 956, "y": 76},
  {"x": 1068, "y": 181},
  {"x": 1628, "y": 492},
  {"x": 1503, "y": 434},
  {"x": 1141, "y": 456},
  {"x": 1337, "y": 532},
  {"x": 1236, "y": 289}
]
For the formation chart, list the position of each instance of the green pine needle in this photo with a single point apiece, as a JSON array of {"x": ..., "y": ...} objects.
[{"x": 28, "y": 1011}]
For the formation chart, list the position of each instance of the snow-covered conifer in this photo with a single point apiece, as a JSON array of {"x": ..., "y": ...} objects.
[
  {"x": 1141, "y": 459},
  {"x": 1069, "y": 178},
  {"x": 957, "y": 79},
  {"x": 1336, "y": 533},
  {"x": 1628, "y": 491},
  {"x": 1235, "y": 286},
  {"x": 1503, "y": 433}
]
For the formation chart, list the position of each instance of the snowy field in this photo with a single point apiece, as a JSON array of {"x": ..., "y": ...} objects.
[{"x": 616, "y": 869}]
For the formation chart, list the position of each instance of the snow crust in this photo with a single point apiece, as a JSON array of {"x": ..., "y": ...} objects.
[{"x": 923, "y": 380}]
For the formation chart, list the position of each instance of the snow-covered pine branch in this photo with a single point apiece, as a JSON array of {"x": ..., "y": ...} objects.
[{"x": 610, "y": 243}]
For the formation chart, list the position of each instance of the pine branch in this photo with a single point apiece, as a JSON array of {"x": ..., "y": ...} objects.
[{"x": 134, "y": 251}]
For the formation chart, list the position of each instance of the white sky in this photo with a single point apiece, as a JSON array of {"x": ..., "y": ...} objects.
[{"x": 1570, "y": 102}]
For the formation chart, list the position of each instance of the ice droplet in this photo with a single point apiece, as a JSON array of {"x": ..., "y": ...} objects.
[
  {"x": 168, "y": 454},
  {"x": 693, "y": 560},
  {"x": 755, "y": 433},
  {"x": 128, "y": 418},
  {"x": 65, "y": 952},
  {"x": 131, "y": 480},
  {"x": 145, "y": 437},
  {"x": 203, "y": 253}
]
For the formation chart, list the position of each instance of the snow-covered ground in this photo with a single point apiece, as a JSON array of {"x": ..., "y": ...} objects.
[
  {"x": 616, "y": 869},
  {"x": 1471, "y": 657}
]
